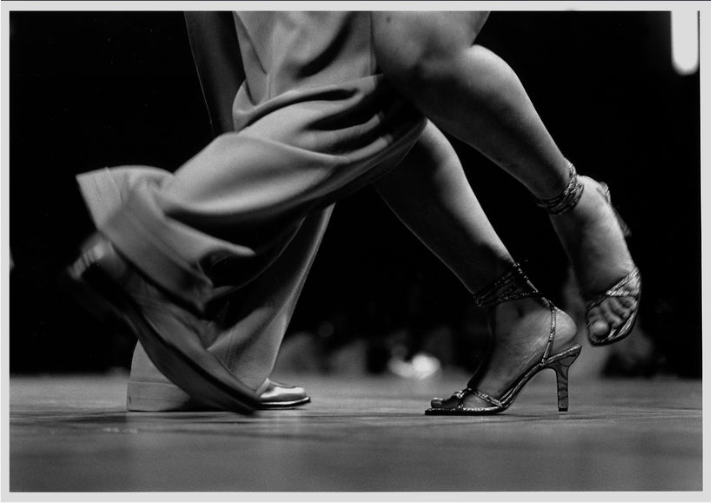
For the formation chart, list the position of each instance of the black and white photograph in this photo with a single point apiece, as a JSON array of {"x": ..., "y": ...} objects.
[{"x": 420, "y": 251}]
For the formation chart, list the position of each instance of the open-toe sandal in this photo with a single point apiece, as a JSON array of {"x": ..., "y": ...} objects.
[{"x": 512, "y": 286}]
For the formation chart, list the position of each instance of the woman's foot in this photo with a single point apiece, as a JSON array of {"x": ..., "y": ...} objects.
[
  {"x": 595, "y": 243},
  {"x": 522, "y": 330},
  {"x": 527, "y": 330}
]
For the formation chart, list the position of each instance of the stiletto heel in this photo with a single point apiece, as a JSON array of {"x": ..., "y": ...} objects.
[
  {"x": 513, "y": 285},
  {"x": 561, "y": 368},
  {"x": 629, "y": 286}
]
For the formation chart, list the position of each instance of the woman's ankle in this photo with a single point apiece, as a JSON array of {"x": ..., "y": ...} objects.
[
  {"x": 531, "y": 319},
  {"x": 510, "y": 319}
]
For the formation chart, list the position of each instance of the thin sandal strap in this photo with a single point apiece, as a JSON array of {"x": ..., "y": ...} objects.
[
  {"x": 629, "y": 286},
  {"x": 487, "y": 398},
  {"x": 566, "y": 200},
  {"x": 512, "y": 285}
]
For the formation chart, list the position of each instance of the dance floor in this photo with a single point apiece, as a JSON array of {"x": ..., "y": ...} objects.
[{"x": 72, "y": 434}]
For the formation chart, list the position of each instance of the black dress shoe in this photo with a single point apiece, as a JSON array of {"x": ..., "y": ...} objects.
[{"x": 110, "y": 287}]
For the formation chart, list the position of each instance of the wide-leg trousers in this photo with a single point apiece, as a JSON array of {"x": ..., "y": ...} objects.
[{"x": 234, "y": 231}]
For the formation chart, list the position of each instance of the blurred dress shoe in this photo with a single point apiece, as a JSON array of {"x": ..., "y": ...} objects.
[
  {"x": 150, "y": 391},
  {"x": 166, "y": 397},
  {"x": 282, "y": 396},
  {"x": 112, "y": 289}
]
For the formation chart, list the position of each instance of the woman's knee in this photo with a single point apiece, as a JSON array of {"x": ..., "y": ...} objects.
[{"x": 413, "y": 47}]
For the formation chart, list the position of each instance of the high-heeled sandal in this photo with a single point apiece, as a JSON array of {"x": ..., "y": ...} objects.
[
  {"x": 629, "y": 286},
  {"x": 513, "y": 285}
]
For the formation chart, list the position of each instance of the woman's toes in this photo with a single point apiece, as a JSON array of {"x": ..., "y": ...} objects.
[
  {"x": 437, "y": 403},
  {"x": 600, "y": 320},
  {"x": 610, "y": 314},
  {"x": 616, "y": 310},
  {"x": 619, "y": 307},
  {"x": 628, "y": 302},
  {"x": 598, "y": 326}
]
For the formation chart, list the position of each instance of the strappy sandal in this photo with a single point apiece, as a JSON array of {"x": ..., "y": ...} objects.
[
  {"x": 629, "y": 286},
  {"x": 513, "y": 285}
]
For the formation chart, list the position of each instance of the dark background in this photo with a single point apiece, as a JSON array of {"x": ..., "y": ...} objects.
[{"x": 92, "y": 89}]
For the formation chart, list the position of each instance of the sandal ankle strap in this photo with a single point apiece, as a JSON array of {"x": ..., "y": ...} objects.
[
  {"x": 566, "y": 200},
  {"x": 512, "y": 285}
]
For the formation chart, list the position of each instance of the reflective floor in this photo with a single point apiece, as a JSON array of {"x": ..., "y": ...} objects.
[{"x": 359, "y": 434}]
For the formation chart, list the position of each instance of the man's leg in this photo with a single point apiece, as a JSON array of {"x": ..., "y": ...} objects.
[
  {"x": 226, "y": 217},
  {"x": 248, "y": 336},
  {"x": 248, "y": 341}
]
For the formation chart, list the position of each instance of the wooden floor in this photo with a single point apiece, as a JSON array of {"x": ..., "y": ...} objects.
[{"x": 359, "y": 434}]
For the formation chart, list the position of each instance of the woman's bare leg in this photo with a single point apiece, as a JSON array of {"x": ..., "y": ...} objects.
[
  {"x": 474, "y": 95},
  {"x": 431, "y": 195}
]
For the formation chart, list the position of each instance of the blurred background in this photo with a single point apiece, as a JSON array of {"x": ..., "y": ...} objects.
[{"x": 95, "y": 89}]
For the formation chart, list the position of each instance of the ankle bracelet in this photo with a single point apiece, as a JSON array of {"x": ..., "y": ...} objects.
[
  {"x": 512, "y": 285},
  {"x": 566, "y": 200}
]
